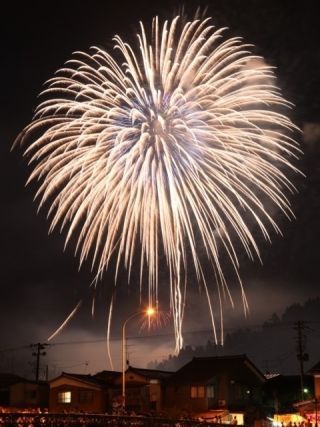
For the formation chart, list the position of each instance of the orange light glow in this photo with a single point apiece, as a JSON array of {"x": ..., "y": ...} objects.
[{"x": 150, "y": 311}]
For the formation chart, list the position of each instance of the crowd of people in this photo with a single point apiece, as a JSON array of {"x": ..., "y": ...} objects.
[{"x": 37, "y": 418}]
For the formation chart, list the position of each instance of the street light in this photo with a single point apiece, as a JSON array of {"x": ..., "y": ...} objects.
[{"x": 149, "y": 312}]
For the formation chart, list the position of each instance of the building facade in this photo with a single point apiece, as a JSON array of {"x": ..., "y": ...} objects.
[
  {"x": 216, "y": 386},
  {"x": 6, "y": 381},
  {"x": 29, "y": 394},
  {"x": 315, "y": 372},
  {"x": 144, "y": 389},
  {"x": 310, "y": 408},
  {"x": 74, "y": 393},
  {"x": 224, "y": 388}
]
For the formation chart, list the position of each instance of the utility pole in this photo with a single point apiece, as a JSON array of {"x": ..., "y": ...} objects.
[
  {"x": 301, "y": 355},
  {"x": 38, "y": 353}
]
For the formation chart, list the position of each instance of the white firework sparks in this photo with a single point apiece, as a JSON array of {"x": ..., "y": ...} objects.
[{"x": 164, "y": 149}]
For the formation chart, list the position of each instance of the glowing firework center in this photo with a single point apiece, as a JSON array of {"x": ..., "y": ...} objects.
[{"x": 177, "y": 148}]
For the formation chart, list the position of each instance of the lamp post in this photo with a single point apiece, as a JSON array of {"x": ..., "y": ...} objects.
[{"x": 149, "y": 312}]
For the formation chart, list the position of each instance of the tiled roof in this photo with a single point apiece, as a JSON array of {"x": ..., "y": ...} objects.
[
  {"x": 107, "y": 376},
  {"x": 27, "y": 381},
  {"x": 8, "y": 379},
  {"x": 315, "y": 369},
  {"x": 85, "y": 378},
  {"x": 203, "y": 369},
  {"x": 151, "y": 373}
]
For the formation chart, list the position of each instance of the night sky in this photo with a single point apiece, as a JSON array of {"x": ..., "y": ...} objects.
[{"x": 40, "y": 284}]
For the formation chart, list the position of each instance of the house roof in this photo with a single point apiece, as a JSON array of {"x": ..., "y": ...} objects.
[
  {"x": 27, "y": 381},
  {"x": 89, "y": 379},
  {"x": 8, "y": 379},
  {"x": 107, "y": 376},
  {"x": 145, "y": 374},
  {"x": 151, "y": 373},
  {"x": 202, "y": 369},
  {"x": 315, "y": 369}
]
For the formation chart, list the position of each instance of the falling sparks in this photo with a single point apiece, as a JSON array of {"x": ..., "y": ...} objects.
[
  {"x": 154, "y": 321},
  {"x": 172, "y": 145}
]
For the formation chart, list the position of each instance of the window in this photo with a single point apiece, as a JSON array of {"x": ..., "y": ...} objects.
[
  {"x": 154, "y": 381},
  {"x": 64, "y": 397},
  {"x": 85, "y": 396},
  {"x": 197, "y": 391},
  {"x": 201, "y": 391},
  {"x": 210, "y": 391},
  {"x": 193, "y": 392}
]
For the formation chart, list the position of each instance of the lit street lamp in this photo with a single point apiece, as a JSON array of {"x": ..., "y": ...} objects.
[{"x": 149, "y": 313}]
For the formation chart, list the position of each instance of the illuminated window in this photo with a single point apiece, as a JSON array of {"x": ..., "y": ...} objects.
[
  {"x": 64, "y": 397},
  {"x": 154, "y": 381},
  {"x": 201, "y": 391},
  {"x": 197, "y": 391},
  {"x": 85, "y": 396},
  {"x": 194, "y": 392}
]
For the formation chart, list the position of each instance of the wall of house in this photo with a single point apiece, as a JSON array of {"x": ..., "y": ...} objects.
[
  {"x": 23, "y": 395},
  {"x": 317, "y": 386},
  {"x": 223, "y": 390},
  {"x": 179, "y": 398},
  {"x": 155, "y": 396},
  {"x": 142, "y": 394},
  {"x": 98, "y": 401},
  {"x": 139, "y": 397},
  {"x": 240, "y": 395},
  {"x": 4, "y": 396},
  {"x": 28, "y": 394},
  {"x": 227, "y": 395}
]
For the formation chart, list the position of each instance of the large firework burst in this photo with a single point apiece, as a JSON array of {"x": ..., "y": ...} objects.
[{"x": 163, "y": 147}]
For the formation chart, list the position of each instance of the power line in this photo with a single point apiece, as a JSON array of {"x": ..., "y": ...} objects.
[
  {"x": 4, "y": 350},
  {"x": 252, "y": 328}
]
